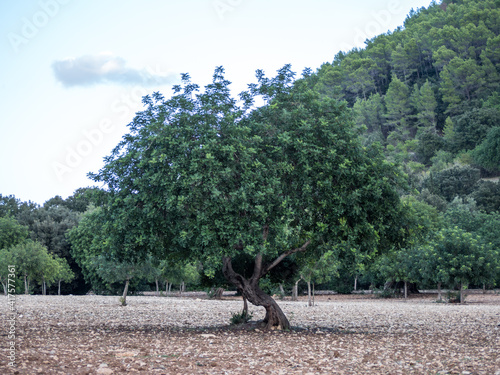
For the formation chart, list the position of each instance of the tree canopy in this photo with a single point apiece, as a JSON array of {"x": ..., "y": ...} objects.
[{"x": 208, "y": 177}]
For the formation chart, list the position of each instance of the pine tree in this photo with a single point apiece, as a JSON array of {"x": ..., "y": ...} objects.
[
  {"x": 424, "y": 102},
  {"x": 397, "y": 104}
]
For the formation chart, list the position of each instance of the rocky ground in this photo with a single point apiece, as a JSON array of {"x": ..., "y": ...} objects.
[{"x": 340, "y": 335}]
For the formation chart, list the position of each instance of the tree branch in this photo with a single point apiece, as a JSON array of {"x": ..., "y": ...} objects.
[
  {"x": 234, "y": 278},
  {"x": 257, "y": 270},
  {"x": 283, "y": 256},
  {"x": 265, "y": 233}
]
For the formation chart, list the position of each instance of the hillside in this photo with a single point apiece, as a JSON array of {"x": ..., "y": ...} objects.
[{"x": 429, "y": 92}]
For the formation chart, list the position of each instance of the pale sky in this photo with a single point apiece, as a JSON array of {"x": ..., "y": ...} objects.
[{"x": 72, "y": 72}]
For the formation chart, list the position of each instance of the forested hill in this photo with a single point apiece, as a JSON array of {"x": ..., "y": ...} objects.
[{"x": 429, "y": 92}]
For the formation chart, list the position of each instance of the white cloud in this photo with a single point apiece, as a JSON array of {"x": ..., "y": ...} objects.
[{"x": 105, "y": 68}]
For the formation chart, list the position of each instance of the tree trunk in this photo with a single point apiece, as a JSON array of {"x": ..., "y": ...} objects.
[
  {"x": 4, "y": 288},
  {"x": 313, "y": 293},
  {"x": 245, "y": 307},
  {"x": 44, "y": 287},
  {"x": 250, "y": 290},
  {"x": 282, "y": 291},
  {"x": 295, "y": 291},
  {"x": 461, "y": 293},
  {"x": 124, "y": 295},
  {"x": 308, "y": 293},
  {"x": 356, "y": 283},
  {"x": 26, "y": 284},
  {"x": 218, "y": 293},
  {"x": 439, "y": 291},
  {"x": 59, "y": 288},
  {"x": 406, "y": 289},
  {"x": 157, "y": 288}
]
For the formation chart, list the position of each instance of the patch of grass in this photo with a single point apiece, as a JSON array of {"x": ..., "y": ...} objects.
[{"x": 240, "y": 318}]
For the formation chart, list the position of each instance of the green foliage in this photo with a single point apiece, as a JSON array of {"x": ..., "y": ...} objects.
[
  {"x": 469, "y": 218},
  {"x": 63, "y": 271},
  {"x": 385, "y": 293},
  {"x": 6, "y": 260},
  {"x": 487, "y": 196},
  {"x": 441, "y": 160},
  {"x": 400, "y": 265},
  {"x": 429, "y": 143},
  {"x": 436, "y": 81},
  {"x": 369, "y": 114},
  {"x": 434, "y": 200},
  {"x": 462, "y": 259},
  {"x": 450, "y": 183},
  {"x": 320, "y": 270},
  {"x": 487, "y": 154},
  {"x": 471, "y": 128},
  {"x": 33, "y": 262},
  {"x": 240, "y": 318},
  {"x": 424, "y": 102},
  {"x": 422, "y": 219},
  {"x": 199, "y": 177},
  {"x": 461, "y": 80},
  {"x": 87, "y": 241},
  {"x": 188, "y": 273},
  {"x": 397, "y": 102},
  {"x": 11, "y": 232}
]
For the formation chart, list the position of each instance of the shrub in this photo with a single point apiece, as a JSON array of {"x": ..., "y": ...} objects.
[{"x": 240, "y": 318}]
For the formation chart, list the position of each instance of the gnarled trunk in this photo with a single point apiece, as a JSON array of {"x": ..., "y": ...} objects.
[{"x": 275, "y": 318}]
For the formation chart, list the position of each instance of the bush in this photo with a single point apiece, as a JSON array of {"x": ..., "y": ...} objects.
[
  {"x": 385, "y": 293},
  {"x": 240, "y": 318}
]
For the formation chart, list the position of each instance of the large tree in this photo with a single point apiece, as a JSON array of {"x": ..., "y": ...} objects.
[{"x": 206, "y": 177}]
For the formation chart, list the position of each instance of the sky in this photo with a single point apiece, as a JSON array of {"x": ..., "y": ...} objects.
[{"x": 73, "y": 72}]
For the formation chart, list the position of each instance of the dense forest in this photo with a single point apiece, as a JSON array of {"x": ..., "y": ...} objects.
[{"x": 425, "y": 98}]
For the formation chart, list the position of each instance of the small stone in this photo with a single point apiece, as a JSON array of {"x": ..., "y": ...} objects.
[
  {"x": 208, "y": 335},
  {"x": 104, "y": 371}
]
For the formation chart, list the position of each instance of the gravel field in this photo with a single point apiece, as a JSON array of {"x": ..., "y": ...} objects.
[{"x": 340, "y": 335}]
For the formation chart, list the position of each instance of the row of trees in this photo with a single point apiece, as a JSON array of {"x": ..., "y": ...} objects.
[
  {"x": 37, "y": 240},
  {"x": 31, "y": 259},
  {"x": 104, "y": 269}
]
